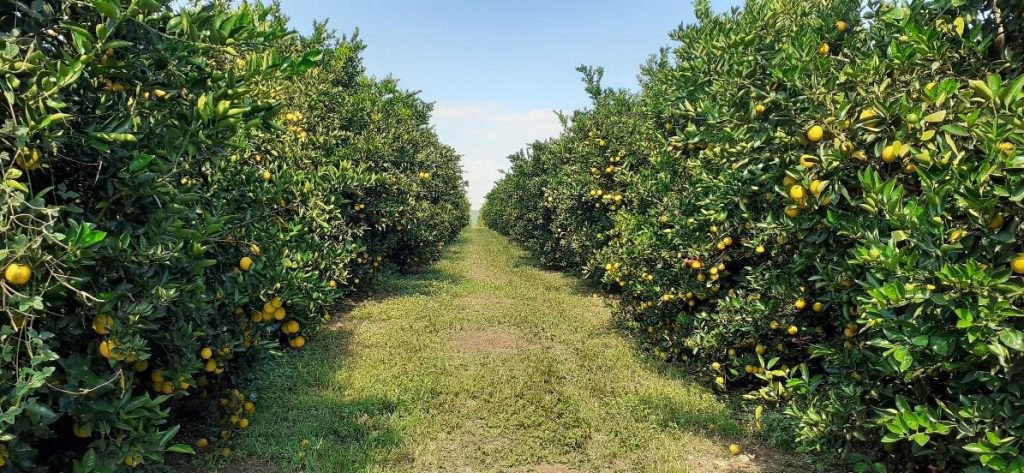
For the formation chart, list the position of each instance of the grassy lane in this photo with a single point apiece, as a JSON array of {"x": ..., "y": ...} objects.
[{"x": 483, "y": 364}]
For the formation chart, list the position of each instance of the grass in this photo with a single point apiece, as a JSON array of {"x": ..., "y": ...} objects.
[{"x": 483, "y": 364}]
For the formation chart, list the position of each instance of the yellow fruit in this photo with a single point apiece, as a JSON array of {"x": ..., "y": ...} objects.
[
  {"x": 157, "y": 376},
  {"x": 202, "y": 442},
  {"x": 1018, "y": 264},
  {"x": 211, "y": 366},
  {"x": 290, "y": 327},
  {"x": 792, "y": 211},
  {"x": 167, "y": 387},
  {"x": 249, "y": 407},
  {"x": 749, "y": 369},
  {"x": 888, "y": 154},
  {"x": 759, "y": 349},
  {"x": 759, "y": 249},
  {"x": 996, "y": 222},
  {"x": 841, "y": 26},
  {"x": 18, "y": 274},
  {"x": 101, "y": 324},
  {"x": 279, "y": 314},
  {"x": 305, "y": 443},
  {"x": 107, "y": 348},
  {"x": 243, "y": 423},
  {"x": 298, "y": 342},
  {"x": 815, "y": 133},
  {"x": 716, "y": 366},
  {"x": 759, "y": 109},
  {"x": 82, "y": 431},
  {"x": 140, "y": 365},
  {"x": 823, "y": 49},
  {"x": 206, "y": 353},
  {"x": 276, "y": 302},
  {"x": 800, "y": 304},
  {"x": 847, "y": 148},
  {"x": 816, "y": 187},
  {"x": 808, "y": 161},
  {"x": 867, "y": 114},
  {"x": 1005, "y": 147},
  {"x": 796, "y": 192},
  {"x": 256, "y": 316},
  {"x": 266, "y": 176},
  {"x": 792, "y": 330},
  {"x": 28, "y": 158},
  {"x": 735, "y": 449},
  {"x": 732, "y": 352},
  {"x": 225, "y": 451},
  {"x": 719, "y": 380},
  {"x": 245, "y": 263},
  {"x": 132, "y": 460},
  {"x": 818, "y": 307},
  {"x": 910, "y": 168},
  {"x": 332, "y": 284}
]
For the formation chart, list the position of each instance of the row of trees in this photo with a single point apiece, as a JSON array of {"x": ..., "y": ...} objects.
[
  {"x": 186, "y": 191},
  {"x": 815, "y": 203}
]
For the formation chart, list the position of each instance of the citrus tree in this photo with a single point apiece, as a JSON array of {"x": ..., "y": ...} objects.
[
  {"x": 178, "y": 202},
  {"x": 821, "y": 209}
]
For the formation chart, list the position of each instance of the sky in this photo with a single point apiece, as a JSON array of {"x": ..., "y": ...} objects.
[{"x": 497, "y": 71}]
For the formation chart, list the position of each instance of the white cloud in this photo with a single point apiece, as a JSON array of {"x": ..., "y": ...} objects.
[{"x": 487, "y": 133}]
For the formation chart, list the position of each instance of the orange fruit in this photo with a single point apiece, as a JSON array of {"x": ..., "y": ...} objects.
[
  {"x": 101, "y": 324},
  {"x": 815, "y": 133},
  {"x": 1018, "y": 264},
  {"x": 107, "y": 348},
  {"x": 796, "y": 192},
  {"x": 18, "y": 274}
]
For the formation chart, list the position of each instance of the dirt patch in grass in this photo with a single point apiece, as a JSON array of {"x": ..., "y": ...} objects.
[
  {"x": 486, "y": 341},
  {"x": 764, "y": 460}
]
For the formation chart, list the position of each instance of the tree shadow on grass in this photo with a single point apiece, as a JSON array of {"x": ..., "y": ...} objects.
[
  {"x": 299, "y": 397},
  {"x": 426, "y": 281}
]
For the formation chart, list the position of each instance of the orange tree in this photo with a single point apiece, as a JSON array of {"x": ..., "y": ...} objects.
[
  {"x": 821, "y": 208},
  {"x": 171, "y": 214}
]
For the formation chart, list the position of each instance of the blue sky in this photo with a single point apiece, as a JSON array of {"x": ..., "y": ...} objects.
[{"x": 497, "y": 71}]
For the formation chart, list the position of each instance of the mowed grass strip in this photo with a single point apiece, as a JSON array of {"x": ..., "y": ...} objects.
[{"x": 482, "y": 364}]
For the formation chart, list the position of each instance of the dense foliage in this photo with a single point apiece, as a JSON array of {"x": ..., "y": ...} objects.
[
  {"x": 819, "y": 204},
  {"x": 186, "y": 191}
]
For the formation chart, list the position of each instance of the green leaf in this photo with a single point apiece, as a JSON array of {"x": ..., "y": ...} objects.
[
  {"x": 982, "y": 88},
  {"x": 935, "y": 117},
  {"x": 1012, "y": 338},
  {"x": 181, "y": 448},
  {"x": 108, "y": 8}
]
